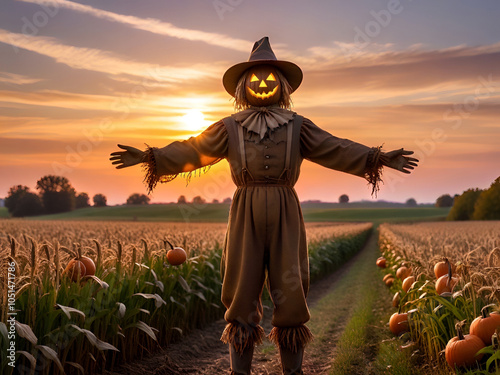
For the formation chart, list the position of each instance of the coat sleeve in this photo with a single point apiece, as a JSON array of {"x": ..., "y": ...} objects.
[
  {"x": 164, "y": 164},
  {"x": 340, "y": 154}
]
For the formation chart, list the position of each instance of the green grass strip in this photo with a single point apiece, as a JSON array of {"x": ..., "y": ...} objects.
[{"x": 361, "y": 297}]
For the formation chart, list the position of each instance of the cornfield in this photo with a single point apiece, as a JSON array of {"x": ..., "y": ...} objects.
[
  {"x": 473, "y": 251},
  {"x": 135, "y": 303}
]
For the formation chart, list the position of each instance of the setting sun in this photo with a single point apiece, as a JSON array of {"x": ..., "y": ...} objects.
[{"x": 194, "y": 120}]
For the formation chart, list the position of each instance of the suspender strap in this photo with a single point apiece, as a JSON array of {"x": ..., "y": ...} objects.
[
  {"x": 289, "y": 133},
  {"x": 242, "y": 148}
]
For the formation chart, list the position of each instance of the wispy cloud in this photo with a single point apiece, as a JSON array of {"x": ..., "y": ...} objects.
[
  {"x": 17, "y": 79},
  {"x": 400, "y": 77},
  {"x": 103, "y": 61},
  {"x": 152, "y": 25}
]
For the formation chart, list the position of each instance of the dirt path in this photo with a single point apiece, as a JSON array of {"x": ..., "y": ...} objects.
[{"x": 202, "y": 353}]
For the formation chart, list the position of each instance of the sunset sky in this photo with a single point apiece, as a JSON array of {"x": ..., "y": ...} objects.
[{"x": 76, "y": 78}]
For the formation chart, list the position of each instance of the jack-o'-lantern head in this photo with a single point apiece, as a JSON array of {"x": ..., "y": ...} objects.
[
  {"x": 263, "y": 80},
  {"x": 262, "y": 86}
]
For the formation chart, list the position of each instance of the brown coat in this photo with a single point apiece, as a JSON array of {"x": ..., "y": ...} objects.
[{"x": 266, "y": 234}]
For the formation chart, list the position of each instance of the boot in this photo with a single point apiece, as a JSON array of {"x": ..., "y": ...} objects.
[
  {"x": 291, "y": 361},
  {"x": 240, "y": 364}
]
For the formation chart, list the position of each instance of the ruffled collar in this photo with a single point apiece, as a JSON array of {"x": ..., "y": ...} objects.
[{"x": 263, "y": 120}]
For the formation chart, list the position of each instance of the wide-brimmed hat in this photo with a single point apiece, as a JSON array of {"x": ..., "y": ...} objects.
[{"x": 262, "y": 54}]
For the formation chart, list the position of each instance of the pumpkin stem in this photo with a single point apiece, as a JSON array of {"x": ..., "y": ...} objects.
[
  {"x": 449, "y": 272},
  {"x": 484, "y": 310},
  {"x": 167, "y": 241},
  {"x": 459, "y": 327}
]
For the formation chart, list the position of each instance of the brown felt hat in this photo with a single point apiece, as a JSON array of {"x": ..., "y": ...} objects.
[{"x": 262, "y": 54}]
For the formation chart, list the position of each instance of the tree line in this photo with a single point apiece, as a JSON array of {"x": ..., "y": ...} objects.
[
  {"x": 473, "y": 204},
  {"x": 55, "y": 194}
]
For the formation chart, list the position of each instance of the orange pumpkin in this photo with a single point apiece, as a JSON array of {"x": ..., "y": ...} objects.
[
  {"x": 398, "y": 323},
  {"x": 75, "y": 269},
  {"x": 262, "y": 86},
  {"x": 389, "y": 281},
  {"x": 408, "y": 282},
  {"x": 485, "y": 326},
  {"x": 441, "y": 268},
  {"x": 381, "y": 262},
  {"x": 89, "y": 266},
  {"x": 403, "y": 272},
  {"x": 395, "y": 300},
  {"x": 446, "y": 283},
  {"x": 387, "y": 277},
  {"x": 462, "y": 350},
  {"x": 176, "y": 255}
]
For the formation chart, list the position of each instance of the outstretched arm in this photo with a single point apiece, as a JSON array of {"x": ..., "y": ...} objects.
[
  {"x": 131, "y": 156},
  {"x": 164, "y": 164},
  {"x": 344, "y": 155},
  {"x": 399, "y": 160}
]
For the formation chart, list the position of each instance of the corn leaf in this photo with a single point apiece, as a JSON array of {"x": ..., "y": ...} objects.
[
  {"x": 200, "y": 295},
  {"x": 68, "y": 310},
  {"x": 160, "y": 285},
  {"x": 158, "y": 300},
  {"x": 184, "y": 284},
  {"x": 30, "y": 358},
  {"x": 76, "y": 365},
  {"x": 24, "y": 331},
  {"x": 51, "y": 354},
  {"x": 103, "y": 284},
  {"x": 4, "y": 331},
  {"x": 494, "y": 357},
  {"x": 144, "y": 327},
  {"x": 101, "y": 345},
  {"x": 122, "y": 309}
]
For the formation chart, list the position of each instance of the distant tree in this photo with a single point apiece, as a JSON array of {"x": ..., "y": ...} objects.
[
  {"x": 138, "y": 199},
  {"x": 56, "y": 193},
  {"x": 411, "y": 202},
  {"x": 487, "y": 206},
  {"x": 82, "y": 200},
  {"x": 227, "y": 201},
  {"x": 215, "y": 201},
  {"x": 463, "y": 206},
  {"x": 29, "y": 205},
  {"x": 444, "y": 201},
  {"x": 181, "y": 199},
  {"x": 99, "y": 200},
  {"x": 344, "y": 198},
  {"x": 199, "y": 200},
  {"x": 14, "y": 195},
  {"x": 20, "y": 202}
]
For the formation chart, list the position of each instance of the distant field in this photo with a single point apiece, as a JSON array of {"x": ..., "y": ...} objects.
[
  {"x": 3, "y": 212},
  {"x": 220, "y": 212},
  {"x": 376, "y": 214}
]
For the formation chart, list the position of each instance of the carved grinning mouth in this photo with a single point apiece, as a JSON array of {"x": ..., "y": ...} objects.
[{"x": 262, "y": 95}]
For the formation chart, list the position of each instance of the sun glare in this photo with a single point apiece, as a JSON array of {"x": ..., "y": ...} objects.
[{"x": 194, "y": 120}]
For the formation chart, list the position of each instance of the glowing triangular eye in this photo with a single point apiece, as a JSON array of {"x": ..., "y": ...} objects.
[
  {"x": 271, "y": 77},
  {"x": 254, "y": 78}
]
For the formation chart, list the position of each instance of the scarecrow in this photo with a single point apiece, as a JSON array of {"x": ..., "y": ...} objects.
[{"x": 264, "y": 143}]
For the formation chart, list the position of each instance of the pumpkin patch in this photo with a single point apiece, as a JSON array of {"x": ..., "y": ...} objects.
[{"x": 446, "y": 293}]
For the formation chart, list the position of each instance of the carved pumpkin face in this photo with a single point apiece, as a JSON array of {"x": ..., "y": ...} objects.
[{"x": 262, "y": 86}]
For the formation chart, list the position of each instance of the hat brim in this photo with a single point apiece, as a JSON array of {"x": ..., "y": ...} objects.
[{"x": 291, "y": 71}]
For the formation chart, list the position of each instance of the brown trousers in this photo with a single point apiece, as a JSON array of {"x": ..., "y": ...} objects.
[{"x": 266, "y": 235}]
